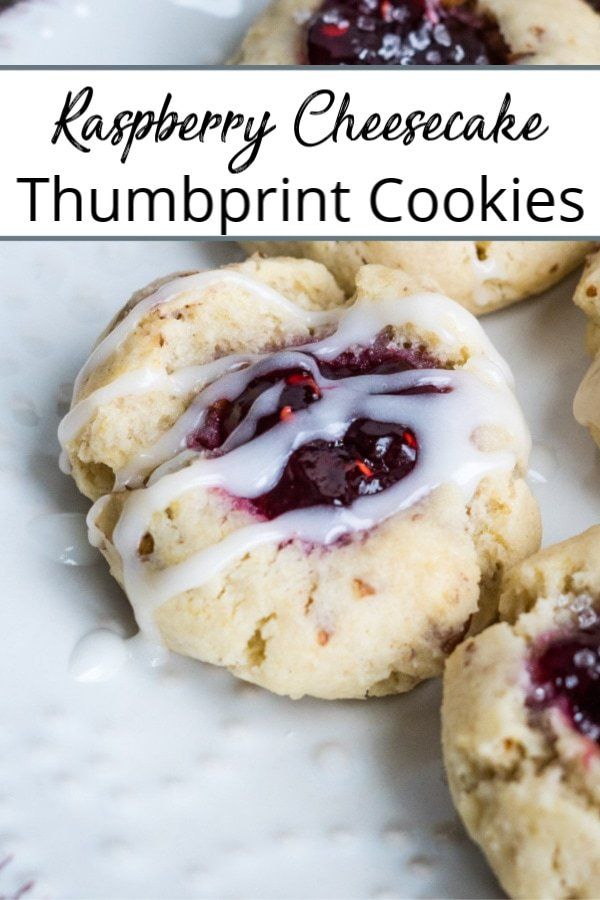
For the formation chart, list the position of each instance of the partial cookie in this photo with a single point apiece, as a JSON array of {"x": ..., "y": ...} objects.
[
  {"x": 482, "y": 276},
  {"x": 321, "y": 498},
  {"x": 521, "y": 726},
  {"x": 424, "y": 32},
  {"x": 587, "y": 400},
  {"x": 112, "y": 428}
]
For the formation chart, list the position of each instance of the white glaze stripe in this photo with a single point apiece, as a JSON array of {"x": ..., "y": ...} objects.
[
  {"x": 359, "y": 324},
  {"x": 182, "y": 382},
  {"x": 196, "y": 283},
  {"x": 454, "y": 326},
  {"x": 445, "y": 425},
  {"x": 227, "y": 387},
  {"x": 486, "y": 270}
]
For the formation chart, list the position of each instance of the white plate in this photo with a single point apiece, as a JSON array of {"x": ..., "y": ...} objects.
[
  {"x": 184, "y": 782},
  {"x": 123, "y": 32}
]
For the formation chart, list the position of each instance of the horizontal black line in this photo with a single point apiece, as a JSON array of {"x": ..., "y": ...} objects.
[{"x": 279, "y": 238}]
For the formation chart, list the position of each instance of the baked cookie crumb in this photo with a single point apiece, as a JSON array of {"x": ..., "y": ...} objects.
[
  {"x": 318, "y": 495},
  {"x": 521, "y": 726}
]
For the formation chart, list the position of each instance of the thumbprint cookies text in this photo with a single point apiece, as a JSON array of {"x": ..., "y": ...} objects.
[{"x": 264, "y": 154}]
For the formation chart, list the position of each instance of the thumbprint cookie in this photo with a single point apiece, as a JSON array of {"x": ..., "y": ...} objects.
[{"x": 320, "y": 496}]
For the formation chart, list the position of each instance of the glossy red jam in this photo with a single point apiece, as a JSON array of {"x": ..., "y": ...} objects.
[
  {"x": 224, "y": 416},
  {"x": 380, "y": 358},
  {"x": 370, "y": 457},
  {"x": 403, "y": 32},
  {"x": 565, "y": 674}
]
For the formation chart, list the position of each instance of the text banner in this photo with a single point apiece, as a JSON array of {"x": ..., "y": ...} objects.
[{"x": 299, "y": 153}]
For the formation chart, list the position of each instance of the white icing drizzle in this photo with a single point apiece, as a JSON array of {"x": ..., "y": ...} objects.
[
  {"x": 586, "y": 406},
  {"x": 543, "y": 464},
  {"x": 486, "y": 270},
  {"x": 101, "y": 654},
  {"x": 180, "y": 382},
  {"x": 453, "y": 325},
  {"x": 173, "y": 290},
  {"x": 447, "y": 426},
  {"x": 96, "y": 536},
  {"x": 98, "y": 656}
]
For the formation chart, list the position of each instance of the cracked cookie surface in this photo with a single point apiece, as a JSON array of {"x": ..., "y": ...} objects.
[
  {"x": 519, "y": 731},
  {"x": 480, "y": 275},
  {"x": 377, "y": 576}
]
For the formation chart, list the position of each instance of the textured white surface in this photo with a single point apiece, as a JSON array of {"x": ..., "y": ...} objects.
[
  {"x": 123, "y": 32},
  {"x": 182, "y": 782}
]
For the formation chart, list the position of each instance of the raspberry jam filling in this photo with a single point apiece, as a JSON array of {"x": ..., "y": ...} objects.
[
  {"x": 403, "y": 32},
  {"x": 566, "y": 675},
  {"x": 382, "y": 357},
  {"x": 370, "y": 457},
  {"x": 224, "y": 416}
]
